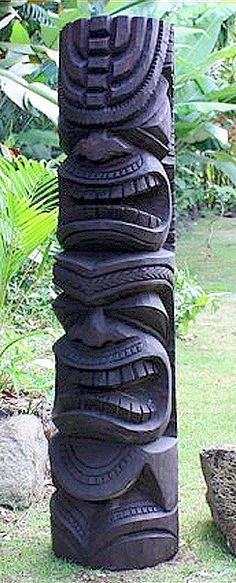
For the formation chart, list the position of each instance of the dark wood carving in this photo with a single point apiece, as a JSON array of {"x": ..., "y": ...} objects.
[{"x": 114, "y": 458}]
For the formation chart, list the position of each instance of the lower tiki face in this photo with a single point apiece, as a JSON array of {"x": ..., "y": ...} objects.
[{"x": 114, "y": 375}]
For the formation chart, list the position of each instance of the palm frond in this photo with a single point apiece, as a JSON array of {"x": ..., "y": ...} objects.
[{"x": 28, "y": 214}]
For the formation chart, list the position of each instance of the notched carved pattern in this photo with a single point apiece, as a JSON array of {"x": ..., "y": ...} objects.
[{"x": 114, "y": 460}]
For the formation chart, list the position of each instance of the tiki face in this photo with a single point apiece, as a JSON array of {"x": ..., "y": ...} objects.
[
  {"x": 114, "y": 168},
  {"x": 114, "y": 354}
]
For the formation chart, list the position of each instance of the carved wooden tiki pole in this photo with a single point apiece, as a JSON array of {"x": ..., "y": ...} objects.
[{"x": 114, "y": 458}]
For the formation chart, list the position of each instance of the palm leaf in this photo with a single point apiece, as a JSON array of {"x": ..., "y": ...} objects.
[
  {"x": 26, "y": 219},
  {"x": 28, "y": 96}
]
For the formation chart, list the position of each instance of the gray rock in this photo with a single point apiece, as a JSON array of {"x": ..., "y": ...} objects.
[
  {"x": 219, "y": 470},
  {"x": 23, "y": 460}
]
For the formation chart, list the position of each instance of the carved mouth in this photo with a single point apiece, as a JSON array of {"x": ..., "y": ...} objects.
[
  {"x": 114, "y": 378},
  {"x": 133, "y": 406},
  {"x": 107, "y": 190},
  {"x": 143, "y": 223},
  {"x": 115, "y": 219},
  {"x": 124, "y": 387},
  {"x": 130, "y": 203},
  {"x": 114, "y": 213}
]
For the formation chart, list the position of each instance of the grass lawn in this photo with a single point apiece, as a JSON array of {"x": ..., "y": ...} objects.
[{"x": 206, "y": 394}]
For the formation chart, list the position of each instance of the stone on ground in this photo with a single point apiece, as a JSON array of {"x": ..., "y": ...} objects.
[
  {"x": 23, "y": 460},
  {"x": 219, "y": 469}
]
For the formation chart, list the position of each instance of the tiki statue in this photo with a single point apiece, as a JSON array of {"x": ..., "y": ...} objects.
[{"x": 114, "y": 457}]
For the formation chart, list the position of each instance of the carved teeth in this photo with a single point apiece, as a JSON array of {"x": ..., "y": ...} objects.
[
  {"x": 117, "y": 191},
  {"x": 153, "y": 222},
  {"x": 151, "y": 181},
  {"x": 121, "y": 376},
  {"x": 114, "y": 378},
  {"x": 141, "y": 184},
  {"x": 100, "y": 379},
  {"x": 129, "y": 188},
  {"x": 139, "y": 369},
  {"x": 150, "y": 368},
  {"x": 119, "y": 213},
  {"x": 127, "y": 374},
  {"x": 134, "y": 407}
]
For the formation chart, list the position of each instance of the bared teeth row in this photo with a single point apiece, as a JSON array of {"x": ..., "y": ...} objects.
[
  {"x": 114, "y": 192},
  {"x": 102, "y": 175},
  {"x": 117, "y": 377},
  {"x": 131, "y": 511},
  {"x": 119, "y": 405},
  {"x": 115, "y": 213}
]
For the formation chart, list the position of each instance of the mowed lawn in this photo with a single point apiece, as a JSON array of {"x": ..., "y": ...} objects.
[{"x": 207, "y": 415}]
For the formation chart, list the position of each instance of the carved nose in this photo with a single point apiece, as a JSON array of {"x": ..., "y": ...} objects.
[
  {"x": 97, "y": 330},
  {"x": 99, "y": 147}
]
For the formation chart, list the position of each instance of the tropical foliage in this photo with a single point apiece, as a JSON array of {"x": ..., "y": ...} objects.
[
  {"x": 190, "y": 300},
  {"x": 28, "y": 219},
  {"x": 28, "y": 197}
]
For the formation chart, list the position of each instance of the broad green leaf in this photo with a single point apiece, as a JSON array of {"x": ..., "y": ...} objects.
[
  {"x": 219, "y": 133},
  {"x": 4, "y": 22},
  {"x": 50, "y": 36},
  {"x": 190, "y": 11},
  {"x": 223, "y": 95},
  {"x": 19, "y": 34},
  {"x": 227, "y": 164},
  {"x": 16, "y": 48},
  {"x": 185, "y": 127},
  {"x": 53, "y": 55},
  {"x": 220, "y": 55},
  {"x": 204, "y": 130},
  {"x": 23, "y": 69},
  {"x": 38, "y": 88},
  {"x": 211, "y": 22},
  {"x": 184, "y": 31},
  {"x": 207, "y": 84},
  {"x": 96, "y": 7},
  {"x": 147, "y": 8},
  {"x": 70, "y": 15},
  {"x": 205, "y": 107},
  {"x": 190, "y": 91},
  {"x": 30, "y": 95}
]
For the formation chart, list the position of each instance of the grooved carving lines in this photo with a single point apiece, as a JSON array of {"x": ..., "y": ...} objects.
[
  {"x": 115, "y": 67},
  {"x": 114, "y": 458}
]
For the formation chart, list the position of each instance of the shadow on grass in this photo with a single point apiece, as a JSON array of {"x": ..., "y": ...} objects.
[{"x": 213, "y": 542}]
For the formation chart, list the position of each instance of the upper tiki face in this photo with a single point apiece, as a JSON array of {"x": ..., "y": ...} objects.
[{"x": 115, "y": 124}]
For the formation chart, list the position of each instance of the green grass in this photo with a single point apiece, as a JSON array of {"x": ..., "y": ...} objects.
[
  {"x": 214, "y": 266},
  {"x": 206, "y": 393}
]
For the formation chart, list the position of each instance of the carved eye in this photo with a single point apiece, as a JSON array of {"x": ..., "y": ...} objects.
[
  {"x": 69, "y": 311},
  {"x": 145, "y": 310},
  {"x": 152, "y": 139}
]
